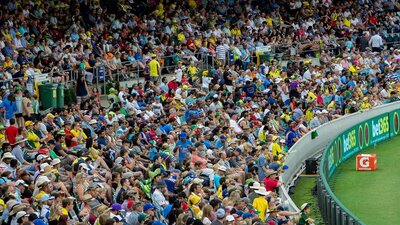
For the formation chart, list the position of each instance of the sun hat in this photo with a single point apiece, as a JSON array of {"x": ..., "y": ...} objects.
[
  {"x": 19, "y": 139},
  {"x": 8, "y": 155},
  {"x": 87, "y": 197},
  {"x": 256, "y": 185},
  {"x": 197, "y": 180},
  {"x": 270, "y": 172},
  {"x": 55, "y": 161},
  {"x": 304, "y": 206},
  {"x": 222, "y": 168},
  {"x": 44, "y": 166},
  {"x": 262, "y": 191}
]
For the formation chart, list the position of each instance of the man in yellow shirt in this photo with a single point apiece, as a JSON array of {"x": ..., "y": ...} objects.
[
  {"x": 154, "y": 68},
  {"x": 260, "y": 203},
  {"x": 365, "y": 104},
  {"x": 33, "y": 139}
]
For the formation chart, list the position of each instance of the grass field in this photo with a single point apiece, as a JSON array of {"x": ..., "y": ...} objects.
[
  {"x": 302, "y": 193},
  {"x": 373, "y": 196}
]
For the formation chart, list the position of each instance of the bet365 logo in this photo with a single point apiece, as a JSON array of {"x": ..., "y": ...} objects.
[
  {"x": 349, "y": 140},
  {"x": 381, "y": 127}
]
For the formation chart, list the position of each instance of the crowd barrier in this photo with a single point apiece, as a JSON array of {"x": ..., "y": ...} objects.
[{"x": 380, "y": 123}]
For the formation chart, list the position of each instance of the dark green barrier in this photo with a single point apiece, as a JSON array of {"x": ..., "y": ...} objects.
[{"x": 347, "y": 144}]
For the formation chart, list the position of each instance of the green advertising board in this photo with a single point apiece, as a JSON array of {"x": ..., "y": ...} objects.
[{"x": 357, "y": 138}]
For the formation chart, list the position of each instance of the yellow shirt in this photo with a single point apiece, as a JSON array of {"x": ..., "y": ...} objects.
[
  {"x": 76, "y": 133},
  {"x": 276, "y": 149},
  {"x": 181, "y": 37},
  {"x": 366, "y": 105},
  {"x": 261, "y": 204},
  {"x": 64, "y": 211},
  {"x": 346, "y": 22},
  {"x": 309, "y": 115},
  {"x": 153, "y": 67},
  {"x": 192, "y": 70},
  {"x": 7, "y": 64},
  {"x": 33, "y": 139},
  {"x": 39, "y": 196}
]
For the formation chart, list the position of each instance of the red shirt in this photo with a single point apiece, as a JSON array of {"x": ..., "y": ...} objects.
[
  {"x": 11, "y": 133},
  {"x": 172, "y": 85},
  {"x": 270, "y": 185}
]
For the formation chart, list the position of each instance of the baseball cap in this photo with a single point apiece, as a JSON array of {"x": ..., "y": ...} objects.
[
  {"x": 230, "y": 218},
  {"x": 220, "y": 213},
  {"x": 46, "y": 197},
  {"x": 116, "y": 207},
  {"x": 22, "y": 182},
  {"x": 148, "y": 206}
]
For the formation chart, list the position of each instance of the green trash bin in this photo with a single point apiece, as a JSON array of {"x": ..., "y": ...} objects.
[
  {"x": 48, "y": 95},
  {"x": 60, "y": 95}
]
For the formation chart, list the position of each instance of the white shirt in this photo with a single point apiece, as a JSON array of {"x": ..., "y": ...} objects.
[
  {"x": 158, "y": 199},
  {"x": 376, "y": 41}
]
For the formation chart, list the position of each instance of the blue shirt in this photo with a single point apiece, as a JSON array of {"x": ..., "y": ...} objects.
[
  {"x": 184, "y": 148},
  {"x": 217, "y": 180}
]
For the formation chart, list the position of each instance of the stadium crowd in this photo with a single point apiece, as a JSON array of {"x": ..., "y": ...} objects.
[{"x": 196, "y": 147}]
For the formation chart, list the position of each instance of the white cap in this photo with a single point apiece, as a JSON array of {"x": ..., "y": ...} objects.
[
  {"x": 40, "y": 157},
  {"x": 21, "y": 182},
  {"x": 318, "y": 112},
  {"x": 230, "y": 218},
  {"x": 222, "y": 168},
  {"x": 20, "y": 215},
  {"x": 324, "y": 111}
]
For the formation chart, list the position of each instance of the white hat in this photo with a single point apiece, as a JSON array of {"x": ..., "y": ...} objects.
[
  {"x": 262, "y": 191},
  {"x": 230, "y": 218},
  {"x": 305, "y": 205},
  {"x": 43, "y": 166},
  {"x": 21, "y": 182},
  {"x": 19, "y": 139},
  {"x": 324, "y": 111},
  {"x": 55, "y": 161},
  {"x": 41, "y": 156},
  {"x": 222, "y": 168},
  {"x": 20, "y": 215},
  {"x": 197, "y": 180},
  {"x": 282, "y": 141},
  {"x": 277, "y": 80},
  {"x": 84, "y": 166},
  {"x": 8, "y": 155},
  {"x": 41, "y": 180},
  {"x": 318, "y": 112},
  {"x": 256, "y": 185},
  {"x": 93, "y": 122}
]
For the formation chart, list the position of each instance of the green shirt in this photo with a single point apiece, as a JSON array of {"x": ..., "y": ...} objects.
[{"x": 303, "y": 219}]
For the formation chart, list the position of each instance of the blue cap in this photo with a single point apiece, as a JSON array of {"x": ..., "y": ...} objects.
[
  {"x": 222, "y": 137},
  {"x": 116, "y": 207},
  {"x": 157, "y": 98},
  {"x": 39, "y": 222},
  {"x": 148, "y": 206},
  {"x": 183, "y": 135},
  {"x": 46, "y": 197},
  {"x": 285, "y": 167},
  {"x": 247, "y": 215}
]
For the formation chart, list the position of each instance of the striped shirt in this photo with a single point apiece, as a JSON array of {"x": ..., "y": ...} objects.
[{"x": 221, "y": 52}]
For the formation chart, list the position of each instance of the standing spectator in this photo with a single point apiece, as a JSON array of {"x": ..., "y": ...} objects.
[
  {"x": 376, "y": 42},
  {"x": 81, "y": 89},
  {"x": 154, "y": 68}
]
